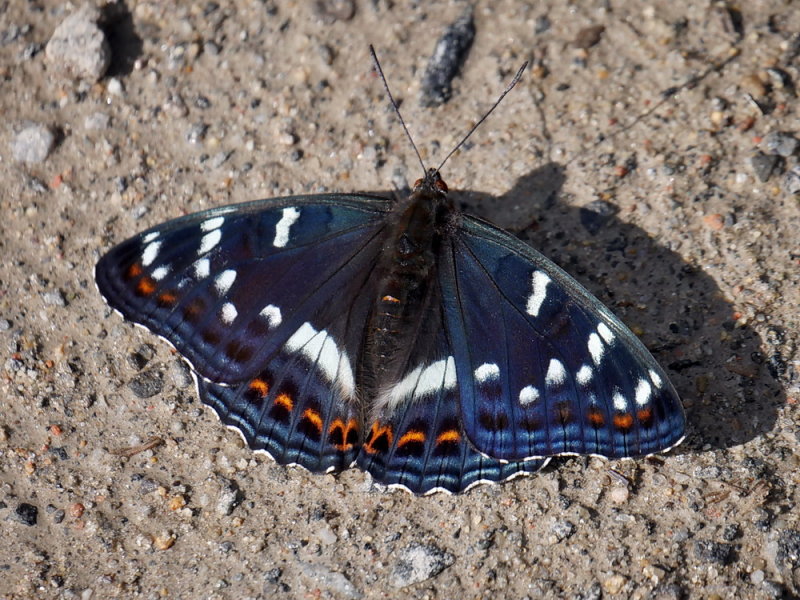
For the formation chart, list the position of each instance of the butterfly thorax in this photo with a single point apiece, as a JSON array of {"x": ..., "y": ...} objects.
[{"x": 406, "y": 285}]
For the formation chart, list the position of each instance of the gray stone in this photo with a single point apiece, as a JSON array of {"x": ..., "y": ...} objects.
[
  {"x": 79, "y": 45},
  {"x": 335, "y": 583},
  {"x": 33, "y": 144},
  {"x": 780, "y": 143},
  {"x": 418, "y": 562}
]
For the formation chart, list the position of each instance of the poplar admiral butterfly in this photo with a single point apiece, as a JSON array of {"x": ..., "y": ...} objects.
[{"x": 423, "y": 345}]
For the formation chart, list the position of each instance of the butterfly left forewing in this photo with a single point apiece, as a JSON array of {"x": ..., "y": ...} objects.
[
  {"x": 229, "y": 286},
  {"x": 544, "y": 368}
]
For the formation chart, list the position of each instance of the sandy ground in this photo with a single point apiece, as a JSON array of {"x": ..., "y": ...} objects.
[{"x": 212, "y": 103}]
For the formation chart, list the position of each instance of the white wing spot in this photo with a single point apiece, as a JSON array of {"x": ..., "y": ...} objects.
[
  {"x": 539, "y": 282},
  {"x": 487, "y": 372},
  {"x": 290, "y": 215},
  {"x": 320, "y": 347},
  {"x": 150, "y": 253},
  {"x": 422, "y": 381},
  {"x": 208, "y": 242},
  {"x": 620, "y": 403},
  {"x": 584, "y": 375},
  {"x": 596, "y": 348},
  {"x": 202, "y": 268},
  {"x": 655, "y": 377},
  {"x": 150, "y": 237},
  {"x": 272, "y": 314},
  {"x": 605, "y": 333},
  {"x": 528, "y": 395},
  {"x": 228, "y": 313},
  {"x": 224, "y": 281},
  {"x": 300, "y": 337},
  {"x": 556, "y": 374},
  {"x": 212, "y": 224},
  {"x": 159, "y": 273},
  {"x": 643, "y": 391}
]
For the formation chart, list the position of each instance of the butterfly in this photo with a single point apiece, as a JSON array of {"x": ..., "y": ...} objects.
[{"x": 425, "y": 346}]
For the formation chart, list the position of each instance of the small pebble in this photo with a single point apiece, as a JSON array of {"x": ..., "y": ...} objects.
[
  {"x": 614, "y": 584},
  {"x": 780, "y": 143},
  {"x": 791, "y": 181},
  {"x": 418, "y": 562},
  {"x": 180, "y": 374},
  {"x": 595, "y": 215},
  {"x": 588, "y": 37},
  {"x": 713, "y": 552},
  {"x": 219, "y": 159},
  {"x": 562, "y": 529},
  {"x": 115, "y": 88},
  {"x": 147, "y": 384},
  {"x": 196, "y": 133},
  {"x": 714, "y": 221},
  {"x": 763, "y": 165},
  {"x": 619, "y": 494},
  {"x": 33, "y": 144},
  {"x": 96, "y": 120},
  {"x": 330, "y": 11},
  {"x": 80, "y": 46},
  {"x": 54, "y": 298},
  {"x": 27, "y": 514}
]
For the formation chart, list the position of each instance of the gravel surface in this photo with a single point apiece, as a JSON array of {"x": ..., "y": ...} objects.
[{"x": 650, "y": 150}]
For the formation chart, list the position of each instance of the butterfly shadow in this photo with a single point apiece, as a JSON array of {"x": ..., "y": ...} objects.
[{"x": 679, "y": 312}]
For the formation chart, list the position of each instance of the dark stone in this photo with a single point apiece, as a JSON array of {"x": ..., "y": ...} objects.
[
  {"x": 713, "y": 552},
  {"x": 147, "y": 384},
  {"x": 763, "y": 165},
  {"x": 595, "y": 215},
  {"x": 27, "y": 514},
  {"x": 450, "y": 53}
]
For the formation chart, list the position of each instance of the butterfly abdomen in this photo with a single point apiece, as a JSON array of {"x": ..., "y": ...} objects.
[{"x": 406, "y": 276}]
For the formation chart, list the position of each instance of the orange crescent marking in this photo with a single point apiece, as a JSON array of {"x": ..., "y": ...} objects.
[
  {"x": 260, "y": 387},
  {"x": 391, "y": 299},
  {"x": 645, "y": 414},
  {"x": 345, "y": 429},
  {"x": 409, "y": 437},
  {"x": 167, "y": 298},
  {"x": 623, "y": 421},
  {"x": 313, "y": 417},
  {"x": 377, "y": 431},
  {"x": 285, "y": 400},
  {"x": 451, "y": 435}
]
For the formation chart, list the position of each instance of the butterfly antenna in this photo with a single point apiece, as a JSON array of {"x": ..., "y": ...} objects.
[
  {"x": 510, "y": 87},
  {"x": 397, "y": 108}
]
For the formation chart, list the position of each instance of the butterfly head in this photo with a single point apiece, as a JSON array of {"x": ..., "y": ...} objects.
[{"x": 431, "y": 182}]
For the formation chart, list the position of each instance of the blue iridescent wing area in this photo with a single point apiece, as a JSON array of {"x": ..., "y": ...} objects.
[
  {"x": 552, "y": 371},
  {"x": 228, "y": 287},
  {"x": 415, "y": 439}
]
